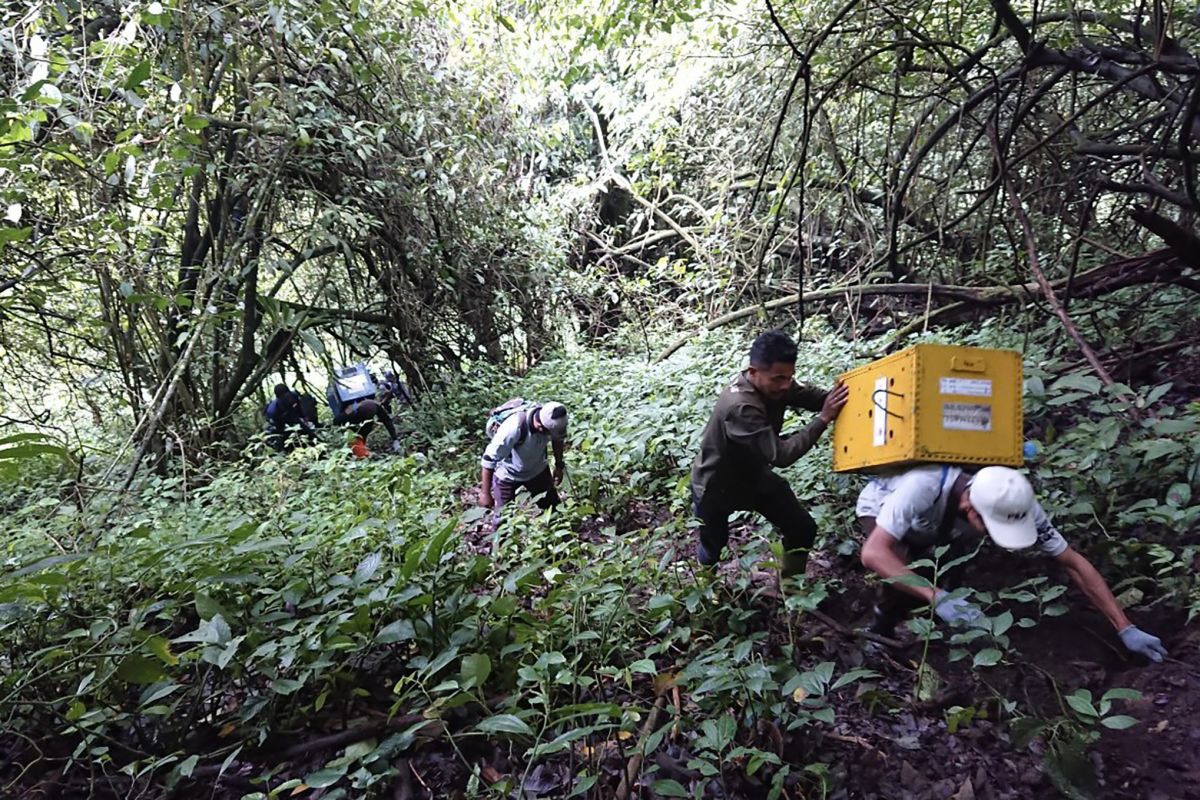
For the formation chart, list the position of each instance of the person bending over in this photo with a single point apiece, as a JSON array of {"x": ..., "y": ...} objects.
[
  {"x": 516, "y": 457},
  {"x": 907, "y": 515}
]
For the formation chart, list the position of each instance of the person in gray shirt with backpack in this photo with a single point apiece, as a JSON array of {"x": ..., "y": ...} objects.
[{"x": 516, "y": 454}]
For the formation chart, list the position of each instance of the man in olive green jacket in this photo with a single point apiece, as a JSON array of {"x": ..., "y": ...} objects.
[{"x": 741, "y": 443}]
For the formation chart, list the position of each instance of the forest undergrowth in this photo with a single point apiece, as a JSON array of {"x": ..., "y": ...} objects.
[{"x": 307, "y": 625}]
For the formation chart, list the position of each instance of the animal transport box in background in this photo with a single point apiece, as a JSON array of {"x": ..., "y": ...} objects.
[
  {"x": 932, "y": 403},
  {"x": 353, "y": 383}
]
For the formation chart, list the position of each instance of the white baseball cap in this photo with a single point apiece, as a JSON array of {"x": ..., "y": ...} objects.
[
  {"x": 553, "y": 417},
  {"x": 1004, "y": 499}
]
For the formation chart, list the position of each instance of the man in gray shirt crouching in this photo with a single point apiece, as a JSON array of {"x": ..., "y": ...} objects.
[{"x": 906, "y": 515}]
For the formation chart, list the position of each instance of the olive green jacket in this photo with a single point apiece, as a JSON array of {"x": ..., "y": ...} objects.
[{"x": 741, "y": 442}]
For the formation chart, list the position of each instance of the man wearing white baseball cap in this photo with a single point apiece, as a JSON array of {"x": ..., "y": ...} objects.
[
  {"x": 906, "y": 515},
  {"x": 516, "y": 456}
]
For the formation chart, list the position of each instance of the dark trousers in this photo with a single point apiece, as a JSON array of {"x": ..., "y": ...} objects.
[
  {"x": 893, "y": 605},
  {"x": 541, "y": 484},
  {"x": 775, "y": 501},
  {"x": 289, "y": 438},
  {"x": 364, "y": 413}
]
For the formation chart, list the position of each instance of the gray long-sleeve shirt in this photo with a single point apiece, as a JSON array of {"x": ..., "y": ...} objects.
[
  {"x": 513, "y": 462},
  {"x": 741, "y": 442}
]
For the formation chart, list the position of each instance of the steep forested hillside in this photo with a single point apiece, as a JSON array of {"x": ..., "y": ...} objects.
[{"x": 600, "y": 204}]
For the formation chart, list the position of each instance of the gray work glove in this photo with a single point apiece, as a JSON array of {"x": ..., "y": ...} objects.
[
  {"x": 955, "y": 610},
  {"x": 1138, "y": 641}
]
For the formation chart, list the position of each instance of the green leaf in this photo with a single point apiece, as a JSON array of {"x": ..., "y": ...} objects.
[
  {"x": 1118, "y": 722},
  {"x": 161, "y": 647},
  {"x": 138, "y": 75},
  {"x": 187, "y": 765},
  {"x": 367, "y": 568},
  {"x": 325, "y": 777},
  {"x": 1160, "y": 447},
  {"x": 987, "y": 658},
  {"x": 505, "y": 723},
  {"x": 475, "y": 669},
  {"x": 1122, "y": 694},
  {"x": 14, "y": 234},
  {"x": 1081, "y": 701},
  {"x": 1179, "y": 495},
  {"x": 136, "y": 668},
  {"x": 1086, "y": 383},
  {"x": 851, "y": 676},
  {"x": 669, "y": 788},
  {"x": 399, "y": 631},
  {"x": 207, "y": 608}
]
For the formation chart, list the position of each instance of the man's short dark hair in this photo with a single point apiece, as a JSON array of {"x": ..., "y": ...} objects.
[
  {"x": 772, "y": 347},
  {"x": 281, "y": 390}
]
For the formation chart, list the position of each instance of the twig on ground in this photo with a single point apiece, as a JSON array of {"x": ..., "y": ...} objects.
[
  {"x": 678, "y": 698},
  {"x": 420, "y": 780},
  {"x": 858, "y": 740},
  {"x": 635, "y": 761},
  {"x": 857, "y": 634}
]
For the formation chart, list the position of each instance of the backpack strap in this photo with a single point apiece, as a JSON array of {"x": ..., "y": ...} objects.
[
  {"x": 524, "y": 423},
  {"x": 947, "y": 523}
]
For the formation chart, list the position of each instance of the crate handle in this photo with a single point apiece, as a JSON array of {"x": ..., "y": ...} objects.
[
  {"x": 883, "y": 407},
  {"x": 967, "y": 364}
]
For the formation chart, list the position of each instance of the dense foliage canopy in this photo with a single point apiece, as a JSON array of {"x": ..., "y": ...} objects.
[{"x": 596, "y": 202}]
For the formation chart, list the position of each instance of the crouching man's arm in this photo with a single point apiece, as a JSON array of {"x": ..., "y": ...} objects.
[
  {"x": 884, "y": 555},
  {"x": 1092, "y": 584},
  {"x": 485, "y": 487}
]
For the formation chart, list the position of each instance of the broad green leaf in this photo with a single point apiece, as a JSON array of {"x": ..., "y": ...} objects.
[
  {"x": 505, "y": 723},
  {"x": 1081, "y": 701},
  {"x": 323, "y": 778},
  {"x": 139, "y": 74},
  {"x": 1118, "y": 722},
  {"x": 161, "y": 647},
  {"x": 136, "y": 668},
  {"x": 207, "y": 608},
  {"x": 1179, "y": 495},
  {"x": 475, "y": 669},
  {"x": 987, "y": 658},
  {"x": 367, "y": 567},
  {"x": 669, "y": 788},
  {"x": 188, "y": 765},
  {"x": 399, "y": 631}
]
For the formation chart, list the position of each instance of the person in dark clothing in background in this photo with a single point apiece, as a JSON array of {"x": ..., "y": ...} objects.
[
  {"x": 362, "y": 411},
  {"x": 741, "y": 443},
  {"x": 391, "y": 388},
  {"x": 290, "y": 415}
]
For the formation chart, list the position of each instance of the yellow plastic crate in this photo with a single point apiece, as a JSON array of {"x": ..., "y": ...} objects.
[{"x": 932, "y": 403}]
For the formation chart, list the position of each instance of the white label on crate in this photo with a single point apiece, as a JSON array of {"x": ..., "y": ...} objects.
[
  {"x": 971, "y": 387},
  {"x": 879, "y": 399},
  {"x": 966, "y": 416},
  {"x": 353, "y": 383}
]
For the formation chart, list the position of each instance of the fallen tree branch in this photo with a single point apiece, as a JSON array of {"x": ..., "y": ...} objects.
[
  {"x": 1147, "y": 268},
  {"x": 1035, "y": 266},
  {"x": 334, "y": 740}
]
